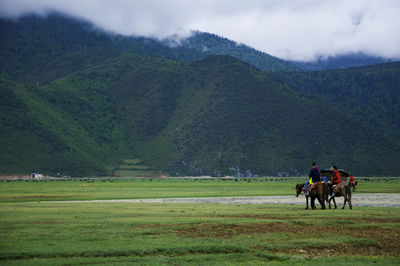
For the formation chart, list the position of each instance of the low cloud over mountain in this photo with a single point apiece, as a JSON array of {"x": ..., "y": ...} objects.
[{"x": 296, "y": 29}]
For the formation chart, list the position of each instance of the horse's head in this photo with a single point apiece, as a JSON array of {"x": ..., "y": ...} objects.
[{"x": 299, "y": 189}]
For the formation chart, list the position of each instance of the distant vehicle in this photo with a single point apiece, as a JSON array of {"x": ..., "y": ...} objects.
[{"x": 36, "y": 176}]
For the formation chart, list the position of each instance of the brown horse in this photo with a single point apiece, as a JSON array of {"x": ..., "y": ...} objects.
[
  {"x": 345, "y": 191},
  {"x": 320, "y": 192}
]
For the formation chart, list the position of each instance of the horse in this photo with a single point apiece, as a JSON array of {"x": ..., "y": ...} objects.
[
  {"x": 301, "y": 188},
  {"x": 319, "y": 192},
  {"x": 345, "y": 192},
  {"x": 353, "y": 185}
]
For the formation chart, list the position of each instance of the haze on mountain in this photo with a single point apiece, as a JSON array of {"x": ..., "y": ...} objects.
[
  {"x": 78, "y": 101},
  {"x": 290, "y": 29}
]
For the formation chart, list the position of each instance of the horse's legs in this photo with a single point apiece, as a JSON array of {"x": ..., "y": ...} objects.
[
  {"x": 345, "y": 200},
  {"x": 321, "y": 202},
  {"x": 307, "y": 202},
  {"x": 325, "y": 198},
  {"x": 349, "y": 201},
  {"x": 313, "y": 203},
  {"x": 334, "y": 201}
]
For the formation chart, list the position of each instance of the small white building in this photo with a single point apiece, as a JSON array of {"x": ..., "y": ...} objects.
[{"x": 36, "y": 176}]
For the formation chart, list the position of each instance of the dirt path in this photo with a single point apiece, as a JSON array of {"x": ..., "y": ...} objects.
[{"x": 391, "y": 200}]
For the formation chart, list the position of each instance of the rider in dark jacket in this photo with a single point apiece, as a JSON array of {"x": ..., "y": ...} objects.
[{"x": 315, "y": 176}]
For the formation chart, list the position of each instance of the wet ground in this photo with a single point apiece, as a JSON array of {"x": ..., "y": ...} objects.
[{"x": 391, "y": 200}]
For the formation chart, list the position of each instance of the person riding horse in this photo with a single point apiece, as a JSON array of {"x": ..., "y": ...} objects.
[
  {"x": 352, "y": 183},
  {"x": 336, "y": 180},
  {"x": 339, "y": 189},
  {"x": 315, "y": 176}
]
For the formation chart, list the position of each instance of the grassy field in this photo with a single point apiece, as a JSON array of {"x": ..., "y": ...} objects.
[
  {"x": 162, "y": 188},
  {"x": 36, "y": 232}
]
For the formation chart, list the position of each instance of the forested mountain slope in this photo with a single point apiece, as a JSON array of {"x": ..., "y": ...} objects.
[
  {"x": 40, "y": 37},
  {"x": 232, "y": 116},
  {"x": 217, "y": 116},
  {"x": 77, "y": 101},
  {"x": 369, "y": 94}
]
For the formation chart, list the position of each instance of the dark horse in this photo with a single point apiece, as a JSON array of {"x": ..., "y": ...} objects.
[
  {"x": 319, "y": 192},
  {"x": 345, "y": 191}
]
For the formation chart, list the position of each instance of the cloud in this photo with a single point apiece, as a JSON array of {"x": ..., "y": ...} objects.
[{"x": 290, "y": 29}]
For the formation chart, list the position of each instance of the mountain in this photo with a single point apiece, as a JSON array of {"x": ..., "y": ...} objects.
[
  {"x": 232, "y": 117},
  {"x": 211, "y": 44},
  {"x": 369, "y": 94},
  {"x": 340, "y": 62},
  {"x": 77, "y": 101},
  {"x": 56, "y": 34},
  {"x": 35, "y": 136},
  {"x": 216, "y": 116}
]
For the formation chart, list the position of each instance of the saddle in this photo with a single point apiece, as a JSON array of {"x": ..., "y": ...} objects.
[
  {"x": 336, "y": 188},
  {"x": 313, "y": 185}
]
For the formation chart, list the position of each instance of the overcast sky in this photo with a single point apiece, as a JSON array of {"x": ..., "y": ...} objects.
[{"x": 289, "y": 29}]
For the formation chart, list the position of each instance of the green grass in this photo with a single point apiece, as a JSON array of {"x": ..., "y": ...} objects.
[
  {"x": 379, "y": 186},
  {"x": 132, "y": 161},
  {"x": 36, "y": 232},
  {"x": 162, "y": 188},
  {"x": 48, "y": 233},
  {"x": 135, "y": 168},
  {"x": 139, "y": 188},
  {"x": 137, "y": 173}
]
